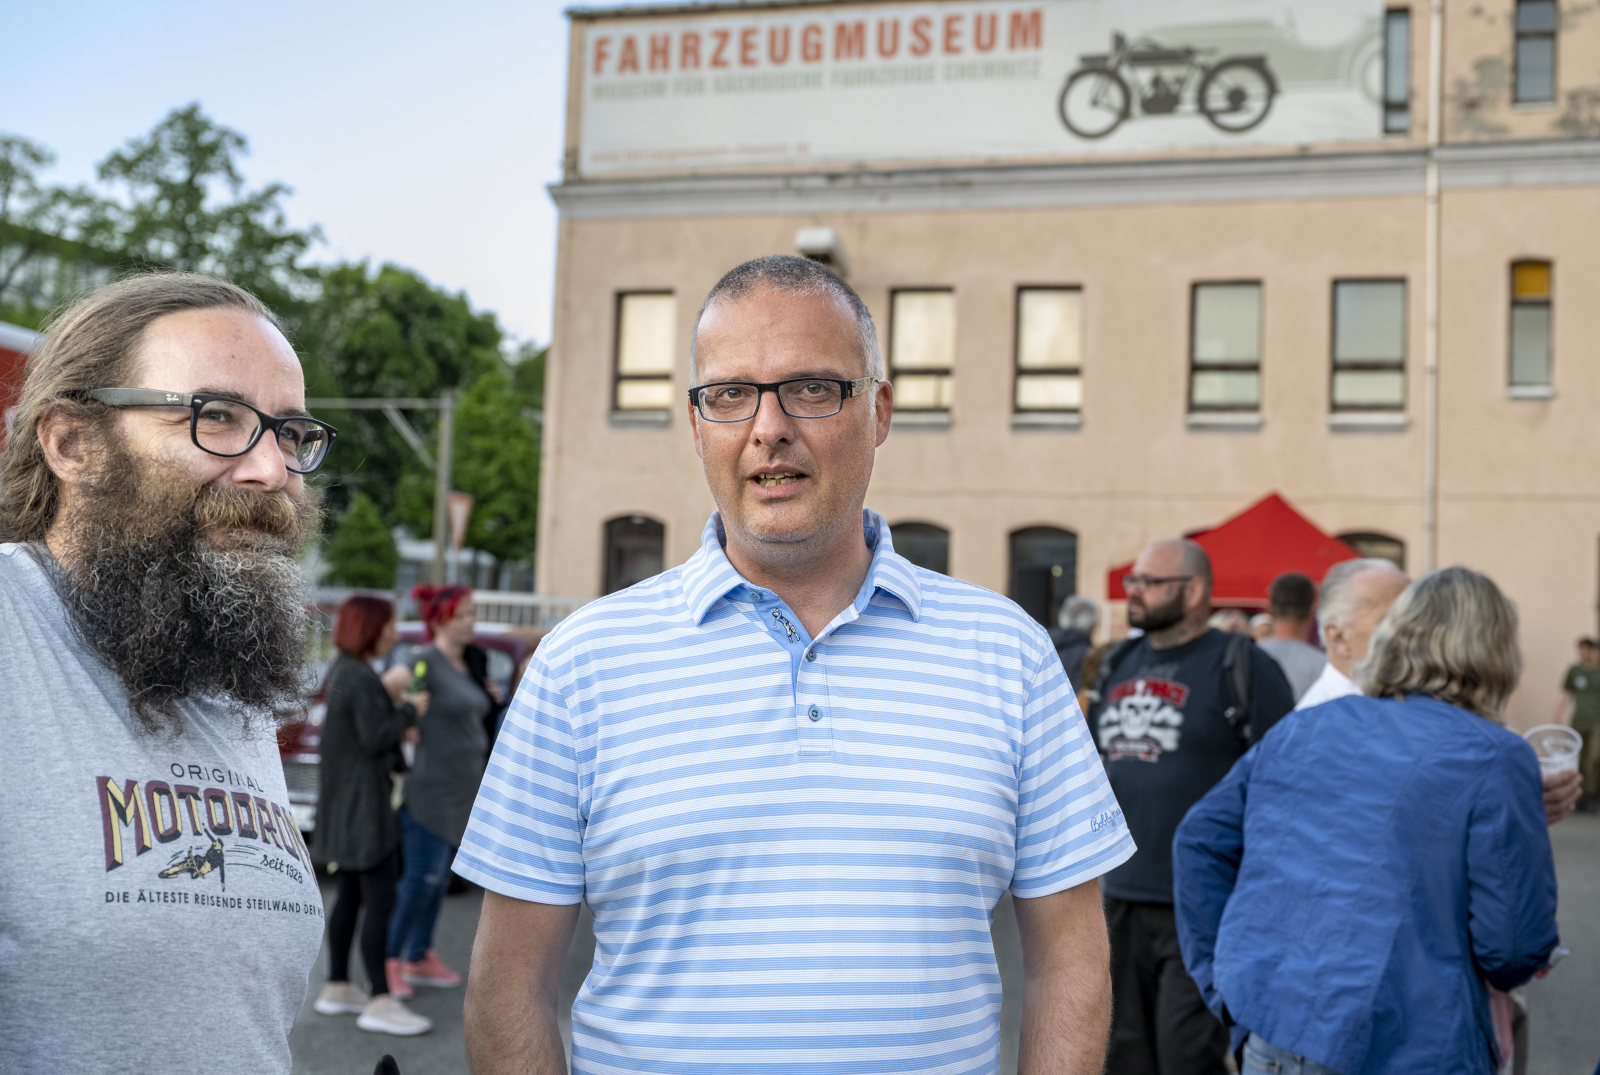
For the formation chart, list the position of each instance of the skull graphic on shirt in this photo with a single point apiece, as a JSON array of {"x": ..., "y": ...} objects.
[{"x": 1142, "y": 719}]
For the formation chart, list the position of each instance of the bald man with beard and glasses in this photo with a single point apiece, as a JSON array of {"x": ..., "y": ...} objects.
[
  {"x": 1170, "y": 721},
  {"x": 158, "y": 908},
  {"x": 793, "y": 777}
]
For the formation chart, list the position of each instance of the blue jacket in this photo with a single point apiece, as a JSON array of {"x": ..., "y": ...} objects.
[{"x": 1343, "y": 888}]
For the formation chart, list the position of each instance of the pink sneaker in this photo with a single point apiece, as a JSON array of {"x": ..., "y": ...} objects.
[
  {"x": 429, "y": 970},
  {"x": 397, "y": 979}
]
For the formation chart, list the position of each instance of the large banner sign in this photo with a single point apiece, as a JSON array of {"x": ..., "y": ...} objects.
[{"x": 977, "y": 80}]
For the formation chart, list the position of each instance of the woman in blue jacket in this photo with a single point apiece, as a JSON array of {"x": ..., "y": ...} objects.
[{"x": 1345, "y": 893}]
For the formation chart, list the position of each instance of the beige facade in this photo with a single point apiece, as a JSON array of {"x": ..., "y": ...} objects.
[{"x": 1514, "y": 488}]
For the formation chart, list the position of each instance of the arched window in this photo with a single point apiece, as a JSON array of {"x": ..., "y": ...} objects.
[
  {"x": 1044, "y": 570},
  {"x": 923, "y": 544},
  {"x": 635, "y": 548},
  {"x": 1381, "y": 546}
]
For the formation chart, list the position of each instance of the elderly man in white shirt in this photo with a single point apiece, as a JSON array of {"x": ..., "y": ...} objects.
[{"x": 1356, "y": 595}]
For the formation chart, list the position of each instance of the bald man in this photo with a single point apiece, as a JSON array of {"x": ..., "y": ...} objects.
[
  {"x": 1170, "y": 721},
  {"x": 1356, "y": 595}
]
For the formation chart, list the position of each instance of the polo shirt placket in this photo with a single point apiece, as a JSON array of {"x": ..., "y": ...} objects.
[{"x": 808, "y": 674}]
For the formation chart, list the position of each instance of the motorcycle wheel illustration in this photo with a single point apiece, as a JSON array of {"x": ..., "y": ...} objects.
[
  {"x": 1236, "y": 95},
  {"x": 1094, "y": 102}
]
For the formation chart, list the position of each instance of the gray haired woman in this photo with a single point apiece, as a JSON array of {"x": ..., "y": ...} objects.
[{"x": 1348, "y": 893}]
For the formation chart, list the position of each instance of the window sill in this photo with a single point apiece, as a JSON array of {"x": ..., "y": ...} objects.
[
  {"x": 1223, "y": 421},
  {"x": 1046, "y": 421},
  {"x": 1531, "y": 391},
  {"x": 1368, "y": 422},
  {"x": 640, "y": 419},
  {"x": 931, "y": 421},
  {"x": 1534, "y": 106}
]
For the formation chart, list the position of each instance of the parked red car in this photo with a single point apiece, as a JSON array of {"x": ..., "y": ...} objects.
[{"x": 300, "y": 742}]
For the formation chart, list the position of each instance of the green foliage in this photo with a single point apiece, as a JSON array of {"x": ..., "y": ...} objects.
[
  {"x": 172, "y": 219},
  {"x": 182, "y": 206},
  {"x": 51, "y": 237},
  {"x": 362, "y": 551},
  {"x": 496, "y": 462},
  {"x": 388, "y": 334}
]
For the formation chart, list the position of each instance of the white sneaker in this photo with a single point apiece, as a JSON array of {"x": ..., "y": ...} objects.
[
  {"x": 386, "y": 1015},
  {"x": 341, "y": 998}
]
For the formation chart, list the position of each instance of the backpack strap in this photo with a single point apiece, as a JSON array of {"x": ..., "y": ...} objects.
[
  {"x": 1236, "y": 677},
  {"x": 1108, "y": 668}
]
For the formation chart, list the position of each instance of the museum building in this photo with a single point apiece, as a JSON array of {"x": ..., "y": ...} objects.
[{"x": 1134, "y": 266}]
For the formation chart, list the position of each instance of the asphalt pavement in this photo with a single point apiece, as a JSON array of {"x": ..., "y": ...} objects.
[{"x": 1564, "y": 1032}]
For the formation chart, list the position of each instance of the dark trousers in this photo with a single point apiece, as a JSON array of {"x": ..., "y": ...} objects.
[
  {"x": 1159, "y": 1024},
  {"x": 374, "y": 890}
]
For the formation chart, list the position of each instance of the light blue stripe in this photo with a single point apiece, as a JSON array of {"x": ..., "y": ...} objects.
[{"x": 652, "y": 764}]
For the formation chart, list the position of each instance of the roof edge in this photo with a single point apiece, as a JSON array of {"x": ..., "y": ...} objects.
[{"x": 633, "y": 11}]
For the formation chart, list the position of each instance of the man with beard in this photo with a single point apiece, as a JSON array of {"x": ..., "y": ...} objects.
[
  {"x": 1176, "y": 708},
  {"x": 152, "y": 629}
]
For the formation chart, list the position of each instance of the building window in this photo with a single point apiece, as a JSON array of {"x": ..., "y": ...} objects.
[
  {"x": 1369, "y": 345},
  {"x": 1397, "y": 71},
  {"x": 1225, "y": 348},
  {"x": 1536, "y": 52},
  {"x": 1530, "y": 324},
  {"x": 635, "y": 551},
  {"x": 923, "y": 544},
  {"x": 1049, "y": 349},
  {"x": 922, "y": 348},
  {"x": 647, "y": 329},
  {"x": 1379, "y": 546},
  {"x": 1044, "y": 570}
]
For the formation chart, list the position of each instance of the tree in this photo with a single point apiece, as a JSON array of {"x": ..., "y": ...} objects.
[
  {"x": 388, "y": 334},
  {"x": 172, "y": 218},
  {"x": 54, "y": 241},
  {"x": 182, "y": 205},
  {"x": 362, "y": 550}
]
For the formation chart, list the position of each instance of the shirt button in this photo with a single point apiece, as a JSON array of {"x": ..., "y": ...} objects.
[
  {"x": 814, "y": 713},
  {"x": 811, "y": 654},
  {"x": 755, "y": 595}
]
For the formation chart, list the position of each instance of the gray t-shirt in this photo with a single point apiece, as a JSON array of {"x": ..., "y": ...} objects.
[
  {"x": 158, "y": 909},
  {"x": 1301, "y": 662},
  {"x": 453, "y": 752}
]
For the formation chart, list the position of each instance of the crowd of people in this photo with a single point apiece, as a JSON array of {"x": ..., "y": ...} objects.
[{"x": 791, "y": 778}]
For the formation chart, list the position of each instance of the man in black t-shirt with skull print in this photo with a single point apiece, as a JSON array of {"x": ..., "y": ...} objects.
[{"x": 1163, "y": 725}]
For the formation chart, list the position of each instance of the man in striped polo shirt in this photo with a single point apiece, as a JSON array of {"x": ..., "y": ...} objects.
[{"x": 793, "y": 776}]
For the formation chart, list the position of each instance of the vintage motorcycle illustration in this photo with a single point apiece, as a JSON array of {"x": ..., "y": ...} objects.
[{"x": 1235, "y": 93}]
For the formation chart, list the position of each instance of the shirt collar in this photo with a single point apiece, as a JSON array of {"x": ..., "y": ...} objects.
[{"x": 709, "y": 576}]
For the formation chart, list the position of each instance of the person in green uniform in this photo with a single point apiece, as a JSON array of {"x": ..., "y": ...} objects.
[{"x": 1580, "y": 707}]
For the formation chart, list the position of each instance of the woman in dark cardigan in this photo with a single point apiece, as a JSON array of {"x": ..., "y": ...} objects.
[{"x": 358, "y": 835}]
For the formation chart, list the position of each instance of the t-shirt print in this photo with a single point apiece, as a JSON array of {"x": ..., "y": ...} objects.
[
  {"x": 1143, "y": 719},
  {"x": 173, "y": 837}
]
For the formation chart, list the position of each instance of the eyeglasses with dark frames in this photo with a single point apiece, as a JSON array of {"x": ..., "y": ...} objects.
[
  {"x": 799, "y": 397},
  {"x": 228, "y": 427},
  {"x": 1146, "y": 582}
]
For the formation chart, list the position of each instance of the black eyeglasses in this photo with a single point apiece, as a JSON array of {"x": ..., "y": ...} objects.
[
  {"x": 229, "y": 427},
  {"x": 1145, "y": 582},
  {"x": 800, "y": 397}
]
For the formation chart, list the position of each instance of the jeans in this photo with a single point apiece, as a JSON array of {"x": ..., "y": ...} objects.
[
  {"x": 421, "y": 891},
  {"x": 1262, "y": 1058}
]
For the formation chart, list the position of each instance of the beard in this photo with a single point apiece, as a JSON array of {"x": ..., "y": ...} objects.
[
  {"x": 190, "y": 591},
  {"x": 1149, "y": 617}
]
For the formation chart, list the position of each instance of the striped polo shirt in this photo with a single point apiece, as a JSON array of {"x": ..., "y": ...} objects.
[{"x": 792, "y": 847}]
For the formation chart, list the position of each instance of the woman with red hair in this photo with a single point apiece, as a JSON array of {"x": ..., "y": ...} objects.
[
  {"x": 357, "y": 836},
  {"x": 443, "y": 784}
]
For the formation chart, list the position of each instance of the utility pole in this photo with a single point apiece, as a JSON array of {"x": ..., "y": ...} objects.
[{"x": 441, "y": 483}]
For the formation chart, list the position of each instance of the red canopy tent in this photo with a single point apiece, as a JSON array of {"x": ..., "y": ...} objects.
[{"x": 1253, "y": 548}]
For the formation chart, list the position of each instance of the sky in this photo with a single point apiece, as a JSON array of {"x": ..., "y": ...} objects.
[{"x": 419, "y": 134}]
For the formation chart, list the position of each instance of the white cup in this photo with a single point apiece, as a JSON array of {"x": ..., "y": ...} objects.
[{"x": 1557, "y": 745}]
